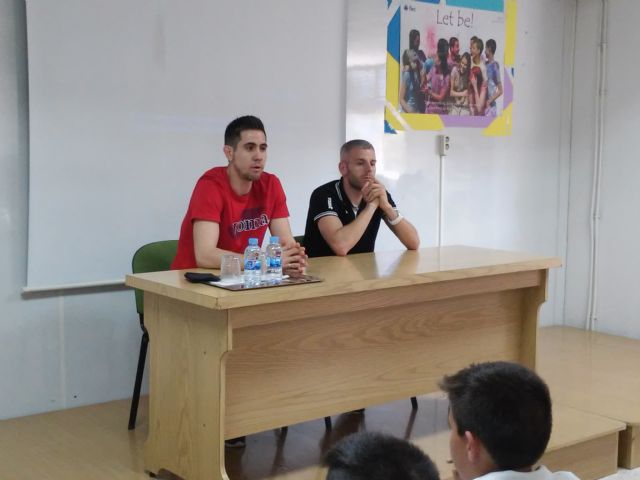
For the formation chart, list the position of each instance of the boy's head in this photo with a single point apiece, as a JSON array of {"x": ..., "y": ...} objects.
[
  {"x": 374, "y": 456},
  {"x": 454, "y": 47},
  {"x": 490, "y": 47},
  {"x": 476, "y": 47},
  {"x": 500, "y": 417},
  {"x": 414, "y": 40}
]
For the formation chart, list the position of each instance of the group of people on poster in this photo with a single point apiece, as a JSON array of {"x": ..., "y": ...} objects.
[{"x": 450, "y": 83}]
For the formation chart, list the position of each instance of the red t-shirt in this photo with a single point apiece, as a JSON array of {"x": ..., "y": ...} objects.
[{"x": 240, "y": 217}]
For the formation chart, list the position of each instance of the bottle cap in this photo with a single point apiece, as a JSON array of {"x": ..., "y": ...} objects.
[
  {"x": 275, "y": 239},
  {"x": 253, "y": 241}
]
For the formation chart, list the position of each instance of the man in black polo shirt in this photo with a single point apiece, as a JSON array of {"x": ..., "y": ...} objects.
[{"x": 344, "y": 215}]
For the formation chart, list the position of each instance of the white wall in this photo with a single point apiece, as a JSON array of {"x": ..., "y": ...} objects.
[
  {"x": 29, "y": 350},
  {"x": 511, "y": 192},
  {"x": 498, "y": 192},
  {"x": 64, "y": 350},
  {"x": 144, "y": 110},
  {"x": 618, "y": 293}
]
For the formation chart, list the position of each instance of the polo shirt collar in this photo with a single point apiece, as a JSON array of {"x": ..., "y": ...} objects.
[{"x": 342, "y": 195}]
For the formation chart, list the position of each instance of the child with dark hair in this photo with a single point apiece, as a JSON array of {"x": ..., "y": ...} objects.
[
  {"x": 454, "y": 52},
  {"x": 477, "y": 91},
  {"x": 460, "y": 86},
  {"x": 476, "y": 49},
  {"x": 494, "y": 85},
  {"x": 374, "y": 456},
  {"x": 500, "y": 418},
  {"x": 414, "y": 44},
  {"x": 438, "y": 82},
  {"x": 410, "y": 96}
]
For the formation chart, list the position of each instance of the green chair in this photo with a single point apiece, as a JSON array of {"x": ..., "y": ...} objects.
[{"x": 152, "y": 257}]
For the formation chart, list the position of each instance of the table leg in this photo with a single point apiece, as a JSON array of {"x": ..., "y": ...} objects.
[
  {"x": 188, "y": 346},
  {"x": 534, "y": 297}
]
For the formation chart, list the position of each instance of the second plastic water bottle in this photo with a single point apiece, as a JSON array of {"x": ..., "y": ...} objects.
[
  {"x": 274, "y": 261},
  {"x": 252, "y": 267}
]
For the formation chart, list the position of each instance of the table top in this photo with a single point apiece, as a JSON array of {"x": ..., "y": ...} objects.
[{"x": 353, "y": 273}]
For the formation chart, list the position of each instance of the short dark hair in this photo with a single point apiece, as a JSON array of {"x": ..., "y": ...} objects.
[
  {"x": 453, "y": 41},
  {"x": 357, "y": 143},
  {"x": 375, "y": 456},
  {"x": 491, "y": 45},
  {"x": 413, "y": 34},
  {"x": 478, "y": 43},
  {"x": 443, "y": 53},
  {"x": 236, "y": 127},
  {"x": 506, "y": 406}
]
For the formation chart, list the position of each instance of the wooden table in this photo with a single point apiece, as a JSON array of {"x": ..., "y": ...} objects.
[{"x": 381, "y": 327}]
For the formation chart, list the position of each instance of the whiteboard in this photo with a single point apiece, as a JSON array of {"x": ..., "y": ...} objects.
[{"x": 128, "y": 102}]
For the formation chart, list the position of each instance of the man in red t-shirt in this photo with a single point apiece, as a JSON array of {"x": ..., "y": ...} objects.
[{"x": 233, "y": 203}]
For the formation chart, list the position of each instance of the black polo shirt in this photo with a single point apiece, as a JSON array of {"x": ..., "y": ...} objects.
[{"x": 331, "y": 199}]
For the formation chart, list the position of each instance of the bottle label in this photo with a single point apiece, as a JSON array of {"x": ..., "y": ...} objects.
[
  {"x": 275, "y": 262},
  {"x": 252, "y": 264}
]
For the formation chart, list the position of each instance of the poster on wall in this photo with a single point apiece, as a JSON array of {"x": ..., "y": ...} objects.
[{"x": 450, "y": 64}]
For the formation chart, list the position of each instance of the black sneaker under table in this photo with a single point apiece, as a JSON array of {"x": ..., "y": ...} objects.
[{"x": 238, "y": 442}]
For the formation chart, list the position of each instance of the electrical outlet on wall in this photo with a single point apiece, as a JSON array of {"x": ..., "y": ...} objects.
[{"x": 443, "y": 144}]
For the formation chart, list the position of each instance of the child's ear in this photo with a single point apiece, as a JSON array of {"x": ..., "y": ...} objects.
[
  {"x": 474, "y": 447},
  {"x": 477, "y": 455}
]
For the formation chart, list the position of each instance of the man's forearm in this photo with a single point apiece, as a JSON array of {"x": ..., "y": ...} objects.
[
  {"x": 346, "y": 237},
  {"x": 212, "y": 257},
  {"x": 405, "y": 232}
]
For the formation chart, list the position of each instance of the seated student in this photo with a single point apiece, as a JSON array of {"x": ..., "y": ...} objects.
[
  {"x": 500, "y": 418},
  {"x": 344, "y": 215},
  {"x": 233, "y": 203},
  {"x": 374, "y": 456}
]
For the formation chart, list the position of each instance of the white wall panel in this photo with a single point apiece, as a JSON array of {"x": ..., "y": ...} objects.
[
  {"x": 582, "y": 154},
  {"x": 617, "y": 299},
  {"x": 498, "y": 192},
  {"x": 618, "y": 286},
  {"x": 128, "y": 105},
  {"x": 101, "y": 342},
  {"x": 29, "y": 343}
]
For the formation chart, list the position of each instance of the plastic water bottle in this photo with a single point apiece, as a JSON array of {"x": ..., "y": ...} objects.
[
  {"x": 274, "y": 261},
  {"x": 252, "y": 267}
]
